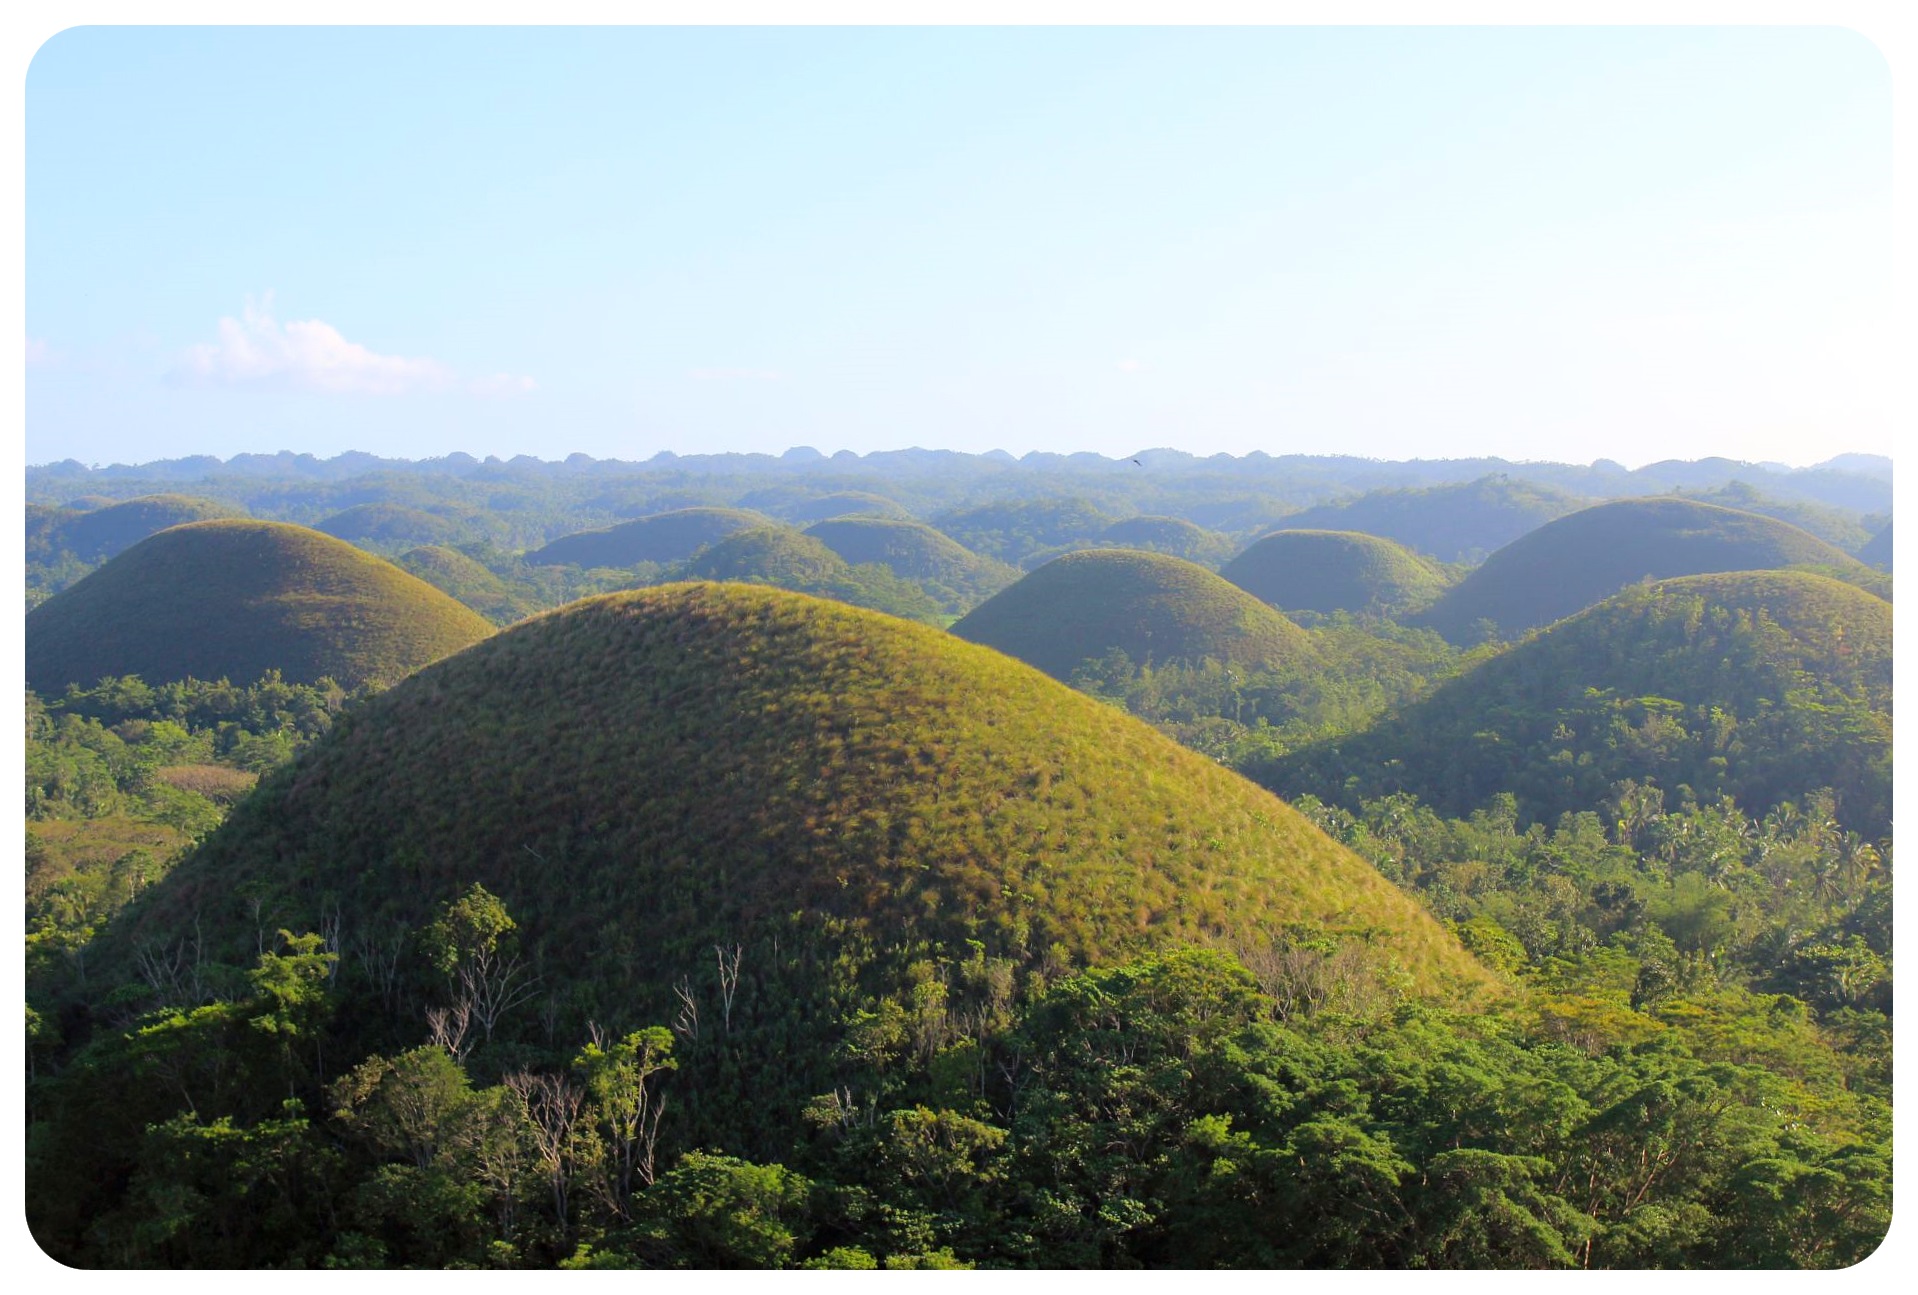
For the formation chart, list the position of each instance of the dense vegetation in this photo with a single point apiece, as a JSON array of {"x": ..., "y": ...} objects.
[
  {"x": 122, "y": 777},
  {"x": 1171, "y": 535},
  {"x": 665, "y": 537},
  {"x": 1016, "y": 531},
  {"x": 711, "y": 926},
  {"x": 1569, "y": 564},
  {"x": 1152, "y": 608},
  {"x": 1460, "y": 522},
  {"x": 1709, "y": 686},
  {"x": 235, "y": 599},
  {"x": 1335, "y": 571}
]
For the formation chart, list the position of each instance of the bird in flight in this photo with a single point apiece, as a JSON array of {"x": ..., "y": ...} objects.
[{"x": 1137, "y": 464}]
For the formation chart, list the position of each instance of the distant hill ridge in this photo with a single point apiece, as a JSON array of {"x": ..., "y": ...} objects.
[{"x": 236, "y": 598}]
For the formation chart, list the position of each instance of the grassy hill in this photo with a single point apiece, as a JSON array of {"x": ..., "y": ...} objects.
[
  {"x": 235, "y": 599},
  {"x": 1014, "y": 530},
  {"x": 842, "y": 503},
  {"x": 641, "y": 775},
  {"x": 386, "y": 524},
  {"x": 1171, "y": 535},
  {"x": 1578, "y": 560},
  {"x": 1154, "y": 608},
  {"x": 955, "y": 576},
  {"x": 461, "y": 578},
  {"x": 1460, "y": 522},
  {"x": 104, "y": 532},
  {"x": 789, "y": 559},
  {"x": 663, "y": 537},
  {"x": 1877, "y": 550},
  {"x": 1762, "y": 685},
  {"x": 1331, "y": 571}
]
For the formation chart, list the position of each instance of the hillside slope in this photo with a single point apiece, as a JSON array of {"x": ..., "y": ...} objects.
[
  {"x": 1763, "y": 685},
  {"x": 1331, "y": 571},
  {"x": 466, "y": 580},
  {"x": 1578, "y": 560},
  {"x": 642, "y": 775},
  {"x": 1457, "y": 522},
  {"x": 234, "y": 599},
  {"x": 106, "y": 532},
  {"x": 663, "y": 537},
  {"x": 1149, "y": 606},
  {"x": 956, "y": 576}
]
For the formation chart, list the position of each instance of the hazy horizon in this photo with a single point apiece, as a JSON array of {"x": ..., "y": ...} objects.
[{"x": 1543, "y": 244}]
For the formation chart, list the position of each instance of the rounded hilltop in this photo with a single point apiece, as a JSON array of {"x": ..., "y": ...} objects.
[
  {"x": 233, "y": 599},
  {"x": 389, "y": 524},
  {"x": 1152, "y": 607},
  {"x": 661, "y": 537},
  {"x": 1763, "y": 685},
  {"x": 1334, "y": 571},
  {"x": 914, "y": 551},
  {"x": 107, "y": 531},
  {"x": 1577, "y": 560},
  {"x": 1173, "y": 535},
  {"x": 641, "y": 775},
  {"x": 843, "y": 503}
]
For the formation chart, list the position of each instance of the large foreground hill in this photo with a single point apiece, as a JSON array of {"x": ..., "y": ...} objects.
[
  {"x": 640, "y": 775},
  {"x": 234, "y": 599}
]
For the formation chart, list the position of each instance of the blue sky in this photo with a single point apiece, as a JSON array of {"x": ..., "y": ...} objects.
[{"x": 1540, "y": 243}]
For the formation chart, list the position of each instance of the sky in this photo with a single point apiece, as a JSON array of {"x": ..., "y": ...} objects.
[{"x": 1543, "y": 243}]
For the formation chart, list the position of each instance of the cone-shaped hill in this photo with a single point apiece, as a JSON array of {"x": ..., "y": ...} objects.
[
  {"x": 389, "y": 524},
  {"x": 1173, "y": 535},
  {"x": 843, "y": 503},
  {"x": 234, "y": 599},
  {"x": 662, "y": 537},
  {"x": 1764, "y": 685},
  {"x": 1877, "y": 549},
  {"x": 1567, "y": 565},
  {"x": 766, "y": 555},
  {"x": 640, "y": 776},
  {"x": 1456, "y": 522},
  {"x": 105, "y": 532},
  {"x": 790, "y": 559},
  {"x": 1152, "y": 607},
  {"x": 1332, "y": 571},
  {"x": 462, "y": 578},
  {"x": 955, "y": 575}
]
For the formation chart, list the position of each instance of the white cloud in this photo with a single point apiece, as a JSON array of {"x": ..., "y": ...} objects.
[
  {"x": 257, "y": 352},
  {"x": 40, "y": 355}
]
